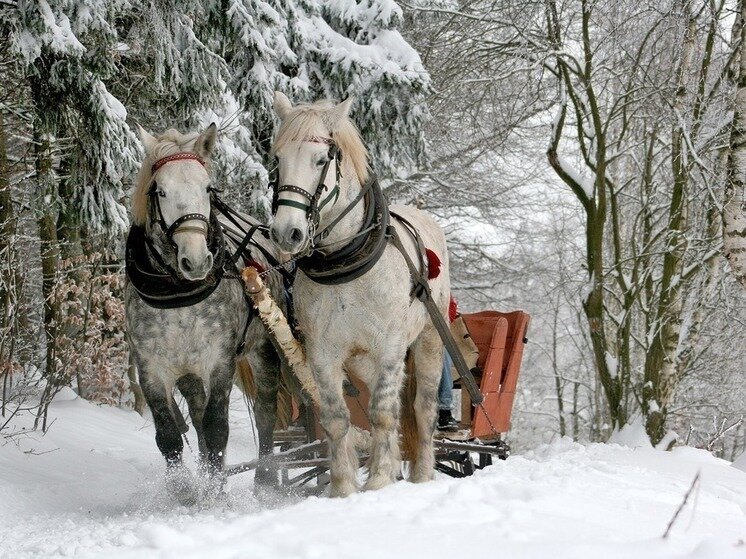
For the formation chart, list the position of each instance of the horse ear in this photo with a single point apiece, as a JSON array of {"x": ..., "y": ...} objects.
[
  {"x": 282, "y": 105},
  {"x": 341, "y": 111},
  {"x": 205, "y": 143},
  {"x": 148, "y": 141}
]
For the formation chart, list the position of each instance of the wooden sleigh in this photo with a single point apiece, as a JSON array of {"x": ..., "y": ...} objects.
[{"x": 492, "y": 343}]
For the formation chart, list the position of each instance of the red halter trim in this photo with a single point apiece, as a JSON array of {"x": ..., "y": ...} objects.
[
  {"x": 182, "y": 155},
  {"x": 320, "y": 140}
]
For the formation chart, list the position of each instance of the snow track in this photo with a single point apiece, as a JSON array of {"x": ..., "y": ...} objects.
[{"x": 100, "y": 494}]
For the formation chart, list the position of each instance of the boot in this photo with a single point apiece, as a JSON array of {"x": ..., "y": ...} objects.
[{"x": 446, "y": 422}]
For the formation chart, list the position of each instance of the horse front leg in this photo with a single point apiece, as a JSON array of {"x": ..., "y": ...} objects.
[
  {"x": 385, "y": 458},
  {"x": 167, "y": 432},
  {"x": 265, "y": 365},
  {"x": 335, "y": 421},
  {"x": 179, "y": 481},
  {"x": 192, "y": 389},
  {"x": 215, "y": 421}
]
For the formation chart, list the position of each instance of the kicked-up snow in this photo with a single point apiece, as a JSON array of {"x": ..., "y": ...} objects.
[{"x": 92, "y": 487}]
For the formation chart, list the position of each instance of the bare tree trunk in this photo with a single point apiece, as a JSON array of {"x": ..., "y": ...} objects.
[
  {"x": 689, "y": 342},
  {"x": 594, "y": 204},
  {"x": 7, "y": 276},
  {"x": 558, "y": 376},
  {"x": 669, "y": 354},
  {"x": 68, "y": 222},
  {"x": 575, "y": 414},
  {"x": 7, "y": 219},
  {"x": 660, "y": 362},
  {"x": 50, "y": 253},
  {"x": 734, "y": 211}
]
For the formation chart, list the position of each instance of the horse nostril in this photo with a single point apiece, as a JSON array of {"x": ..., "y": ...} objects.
[
  {"x": 186, "y": 264},
  {"x": 273, "y": 235},
  {"x": 208, "y": 261},
  {"x": 296, "y": 235}
]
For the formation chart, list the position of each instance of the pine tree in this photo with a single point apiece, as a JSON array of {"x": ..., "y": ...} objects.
[
  {"x": 68, "y": 49},
  {"x": 311, "y": 50},
  {"x": 354, "y": 48},
  {"x": 92, "y": 68}
]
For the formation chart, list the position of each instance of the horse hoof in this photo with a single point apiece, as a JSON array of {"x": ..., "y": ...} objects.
[
  {"x": 377, "y": 482},
  {"x": 213, "y": 482},
  {"x": 265, "y": 477},
  {"x": 180, "y": 485},
  {"x": 272, "y": 496},
  {"x": 342, "y": 489},
  {"x": 422, "y": 477}
]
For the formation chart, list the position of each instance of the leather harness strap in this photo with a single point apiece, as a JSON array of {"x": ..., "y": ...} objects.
[
  {"x": 362, "y": 252},
  {"x": 178, "y": 225},
  {"x": 181, "y": 156},
  {"x": 421, "y": 290},
  {"x": 315, "y": 203}
]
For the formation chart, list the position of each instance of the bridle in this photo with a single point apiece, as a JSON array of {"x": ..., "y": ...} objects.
[
  {"x": 315, "y": 202},
  {"x": 179, "y": 225}
]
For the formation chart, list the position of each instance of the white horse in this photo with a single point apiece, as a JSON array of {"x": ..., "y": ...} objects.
[{"x": 367, "y": 323}]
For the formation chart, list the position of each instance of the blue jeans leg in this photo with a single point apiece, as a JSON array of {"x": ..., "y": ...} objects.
[{"x": 445, "y": 389}]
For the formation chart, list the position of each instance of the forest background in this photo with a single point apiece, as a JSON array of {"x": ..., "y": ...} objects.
[{"x": 584, "y": 158}]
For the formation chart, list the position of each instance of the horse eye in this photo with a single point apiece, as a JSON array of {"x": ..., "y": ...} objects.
[
  {"x": 155, "y": 190},
  {"x": 323, "y": 161}
]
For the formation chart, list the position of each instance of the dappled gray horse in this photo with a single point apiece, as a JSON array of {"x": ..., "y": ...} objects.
[{"x": 188, "y": 324}]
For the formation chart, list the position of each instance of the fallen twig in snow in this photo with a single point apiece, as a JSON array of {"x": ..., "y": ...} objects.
[{"x": 681, "y": 506}]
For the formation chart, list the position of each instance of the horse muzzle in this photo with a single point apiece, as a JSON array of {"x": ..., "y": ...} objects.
[{"x": 290, "y": 239}]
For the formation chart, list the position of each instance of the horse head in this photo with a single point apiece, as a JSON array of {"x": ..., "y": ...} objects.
[
  {"x": 316, "y": 146},
  {"x": 172, "y": 199}
]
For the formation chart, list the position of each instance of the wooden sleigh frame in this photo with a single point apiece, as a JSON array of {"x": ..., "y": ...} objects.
[{"x": 499, "y": 339}]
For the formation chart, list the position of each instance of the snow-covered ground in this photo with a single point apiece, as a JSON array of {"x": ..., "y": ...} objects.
[{"x": 92, "y": 488}]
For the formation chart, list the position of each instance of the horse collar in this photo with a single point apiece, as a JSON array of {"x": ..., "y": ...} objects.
[
  {"x": 158, "y": 284},
  {"x": 362, "y": 253}
]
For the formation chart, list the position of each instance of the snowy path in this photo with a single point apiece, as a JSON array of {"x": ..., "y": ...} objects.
[{"x": 100, "y": 494}]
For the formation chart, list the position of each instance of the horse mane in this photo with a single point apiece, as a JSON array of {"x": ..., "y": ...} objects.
[
  {"x": 304, "y": 121},
  {"x": 170, "y": 142}
]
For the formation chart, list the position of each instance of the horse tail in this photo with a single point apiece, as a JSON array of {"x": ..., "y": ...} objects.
[
  {"x": 247, "y": 383},
  {"x": 245, "y": 379},
  {"x": 284, "y": 405},
  {"x": 410, "y": 437}
]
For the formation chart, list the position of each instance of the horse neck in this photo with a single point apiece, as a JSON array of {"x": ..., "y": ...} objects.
[{"x": 351, "y": 223}]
